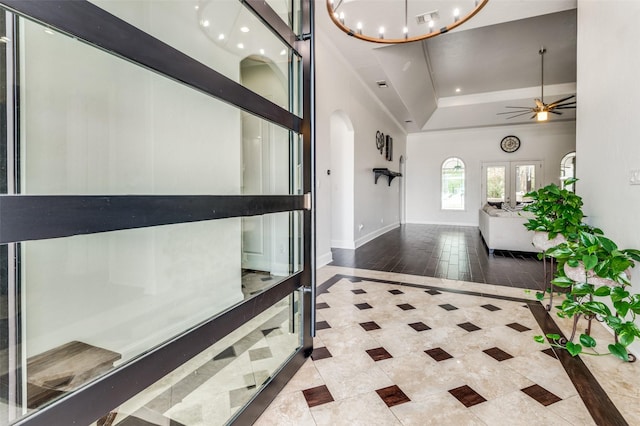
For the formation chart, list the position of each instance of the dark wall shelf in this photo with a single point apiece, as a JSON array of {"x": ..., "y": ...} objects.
[{"x": 377, "y": 172}]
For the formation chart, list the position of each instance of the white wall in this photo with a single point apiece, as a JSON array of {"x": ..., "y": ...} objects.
[
  {"x": 426, "y": 151},
  {"x": 607, "y": 131},
  {"x": 376, "y": 207},
  {"x": 95, "y": 124},
  {"x": 342, "y": 190}
]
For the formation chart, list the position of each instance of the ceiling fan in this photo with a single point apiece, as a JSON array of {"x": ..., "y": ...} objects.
[{"x": 541, "y": 110}]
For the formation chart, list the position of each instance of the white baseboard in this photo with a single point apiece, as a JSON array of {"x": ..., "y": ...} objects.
[
  {"x": 342, "y": 244},
  {"x": 375, "y": 234},
  {"x": 324, "y": 259}
]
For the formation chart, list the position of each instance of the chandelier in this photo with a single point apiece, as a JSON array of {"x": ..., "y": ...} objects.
[{"x": 400, "y": 21}]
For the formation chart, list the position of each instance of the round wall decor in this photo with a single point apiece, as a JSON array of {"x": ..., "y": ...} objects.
[{"x": 510, "y": 143}]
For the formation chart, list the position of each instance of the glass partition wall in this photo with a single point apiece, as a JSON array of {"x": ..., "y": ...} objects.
[{"x": 156, "y": 210}]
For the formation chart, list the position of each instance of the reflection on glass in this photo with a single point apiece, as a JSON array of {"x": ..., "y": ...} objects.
[
  {"x": 220, "y": 34},
  {"x": 95, "y": 301},
  {"x": 120, "y": 129},
  {"x": 212, "y": 387},
  {"x": 525, "y": 182},
  {"x": 289, "y": 12},
  {"x": 496, "y": 184}
]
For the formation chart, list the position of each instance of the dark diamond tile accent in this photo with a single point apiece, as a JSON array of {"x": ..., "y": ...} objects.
[
  {"x": 448, "y": 307},
  {"x": 467, "y": 396},
  {"x": 317, "y": 396},
  {"x": 518, "y": 327},
  {"x": 362, "y": 306},
  {"x": 322, "y": 325},
  {"x": 497, "y": 354},
  {"x": 419, "y": 326},
  {"x": 469, "y": 326},
  {"x": 432, "y": 292},
  {"x": 371, "y": 325},
  {"x": 322, "y": 305},
  {"x": 396, "y": 292},
  {"x": 438, "y": 354},
  {"x": 358, "y": 291},
  {"x": 320, "y": 353},
  {"x": 392, "y": 395},
  {"x": 379, "y": 354},
  {"x": 550, "y": 352},
  {"x": 541, "y": 395},
  {"x": 240, "y": 396},
  {"x": 260, "y": 353},
  {"x": 490, "y": 307},
  {"x": 227, "y": 353},
  {"x": 355, "y": 280},
  {"x": 405, "y": 307}
]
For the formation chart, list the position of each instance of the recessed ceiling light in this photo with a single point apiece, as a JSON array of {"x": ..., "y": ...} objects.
[
  {"x": 458, "y": 90},
  {"x": 221, "y": 37},
  {"x": 196, "y": 7},
  {"x": 244, "y": 29},
  {"x": 283, "y": 52},
  {"x": 262, "y": 51},
  {"x": 240, "y": 46},
  {"x": 205, "y": 23}
]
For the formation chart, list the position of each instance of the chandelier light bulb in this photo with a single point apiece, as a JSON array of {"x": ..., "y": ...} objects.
[
  {"x": 405, "y": 31},
  {"x": 456, "y": 14},
  {"x": 342, "y": 18},
  {"x": 359, "y": 27},
  {"x": 381, "y": 32}
]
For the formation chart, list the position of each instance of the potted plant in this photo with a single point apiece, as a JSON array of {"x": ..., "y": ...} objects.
[
  {"x": 593, "y": 267},
  {"x": 557, "y": 215}
]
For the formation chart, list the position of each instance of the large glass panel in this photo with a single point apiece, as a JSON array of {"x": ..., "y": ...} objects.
[
  {"x": 289, "y": 11},
  {"x": 496, "y": 178},
  {"x": 93, "y": 302},
  {"x": 453, "y": 184},
  {"x": 218, "y": 33},
  {"x": 568, "y": 171},
  {"x": 92, "y": 123},
  {"x": 212, "y": 387},
  {"x": 525, "y": 181}
]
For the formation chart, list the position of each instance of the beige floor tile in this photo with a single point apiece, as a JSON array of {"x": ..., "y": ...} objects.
[
  {"x": 363, "y": 410},
  {"x": 437, "y": 410},
  {"x": 516, "y": 409},
  {"x": 573, "y": 411},
  {"x": 289, "y": 409}
]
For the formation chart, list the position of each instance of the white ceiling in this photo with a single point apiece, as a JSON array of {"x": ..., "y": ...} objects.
[{"x": 493, "y": 59}]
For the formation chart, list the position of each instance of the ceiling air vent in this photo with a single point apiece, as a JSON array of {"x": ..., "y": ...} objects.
[
  {"x": 382, "y": 84},
  {"x": 424, "y": 18}
]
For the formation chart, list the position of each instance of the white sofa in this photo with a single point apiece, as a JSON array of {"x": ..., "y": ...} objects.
[{"x": 504, "y": 230}]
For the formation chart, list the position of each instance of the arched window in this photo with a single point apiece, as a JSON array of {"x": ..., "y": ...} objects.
[
  {"x": 568, "y": 170},
  {"x": 453, "y": 184}
]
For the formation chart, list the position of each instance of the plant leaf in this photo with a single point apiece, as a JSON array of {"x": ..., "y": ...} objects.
[
  {"x": 619, "y": 351},
  {"x": 598, "y": 308},
  {"x": 622, "y": 307},
  {"x": 626, "y": 338},
  {"x": 574, "y": 348},
  {"x": 587, "y": 341},
  {"x": 539, "y": 339},
  {"x": 590, "y": 261},
  {"x": 602, "y": 291},
  {"x": 553, "y": 336},
  {"x": 539, "y": 295}
]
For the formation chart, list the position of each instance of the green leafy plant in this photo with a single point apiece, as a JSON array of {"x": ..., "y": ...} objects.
[
  {"x": 603, "y": 273},
  {"x": 556, "y": 211}
]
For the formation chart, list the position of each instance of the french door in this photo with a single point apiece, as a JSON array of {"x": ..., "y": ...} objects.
[
  {"x": 126, "y": 294},
  {"x": 508, "y": 182}
]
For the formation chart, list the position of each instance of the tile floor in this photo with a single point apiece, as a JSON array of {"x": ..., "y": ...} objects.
[{"x": 397, "y": 349}]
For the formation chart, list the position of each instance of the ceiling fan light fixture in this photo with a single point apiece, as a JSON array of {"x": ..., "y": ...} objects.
[{"x": 542, "y": 115}]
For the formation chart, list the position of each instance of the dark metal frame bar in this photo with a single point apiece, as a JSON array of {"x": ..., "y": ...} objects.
[{"x": 32, "y": 217}]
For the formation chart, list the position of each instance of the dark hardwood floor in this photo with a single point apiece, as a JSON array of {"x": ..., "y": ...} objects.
[{"x": 443, "y": 251}]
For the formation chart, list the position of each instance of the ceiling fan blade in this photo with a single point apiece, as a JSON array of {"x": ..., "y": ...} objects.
[
  {"x": 559, "y": 101},
  {"x": 533, "y": 116},
  {"x": 565, "y": 107},
  {"x": 520, "y": 107},
  {"x": 555, "y": 112},
  {"x": 515, "y": 112}
]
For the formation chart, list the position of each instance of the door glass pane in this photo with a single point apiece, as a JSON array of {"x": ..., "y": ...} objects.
[
  {"x": 116, "y": 295},
  {"x": 496, "y": 179},
  {"x": 568, "y": 170},
  {"x": 289, "y": 11},
  {"x": 525, "y": 181},
  {"x": 118, "y": 128},
  {"x": 219, "y": 34},
  {"x": 213, "y": 386}
]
